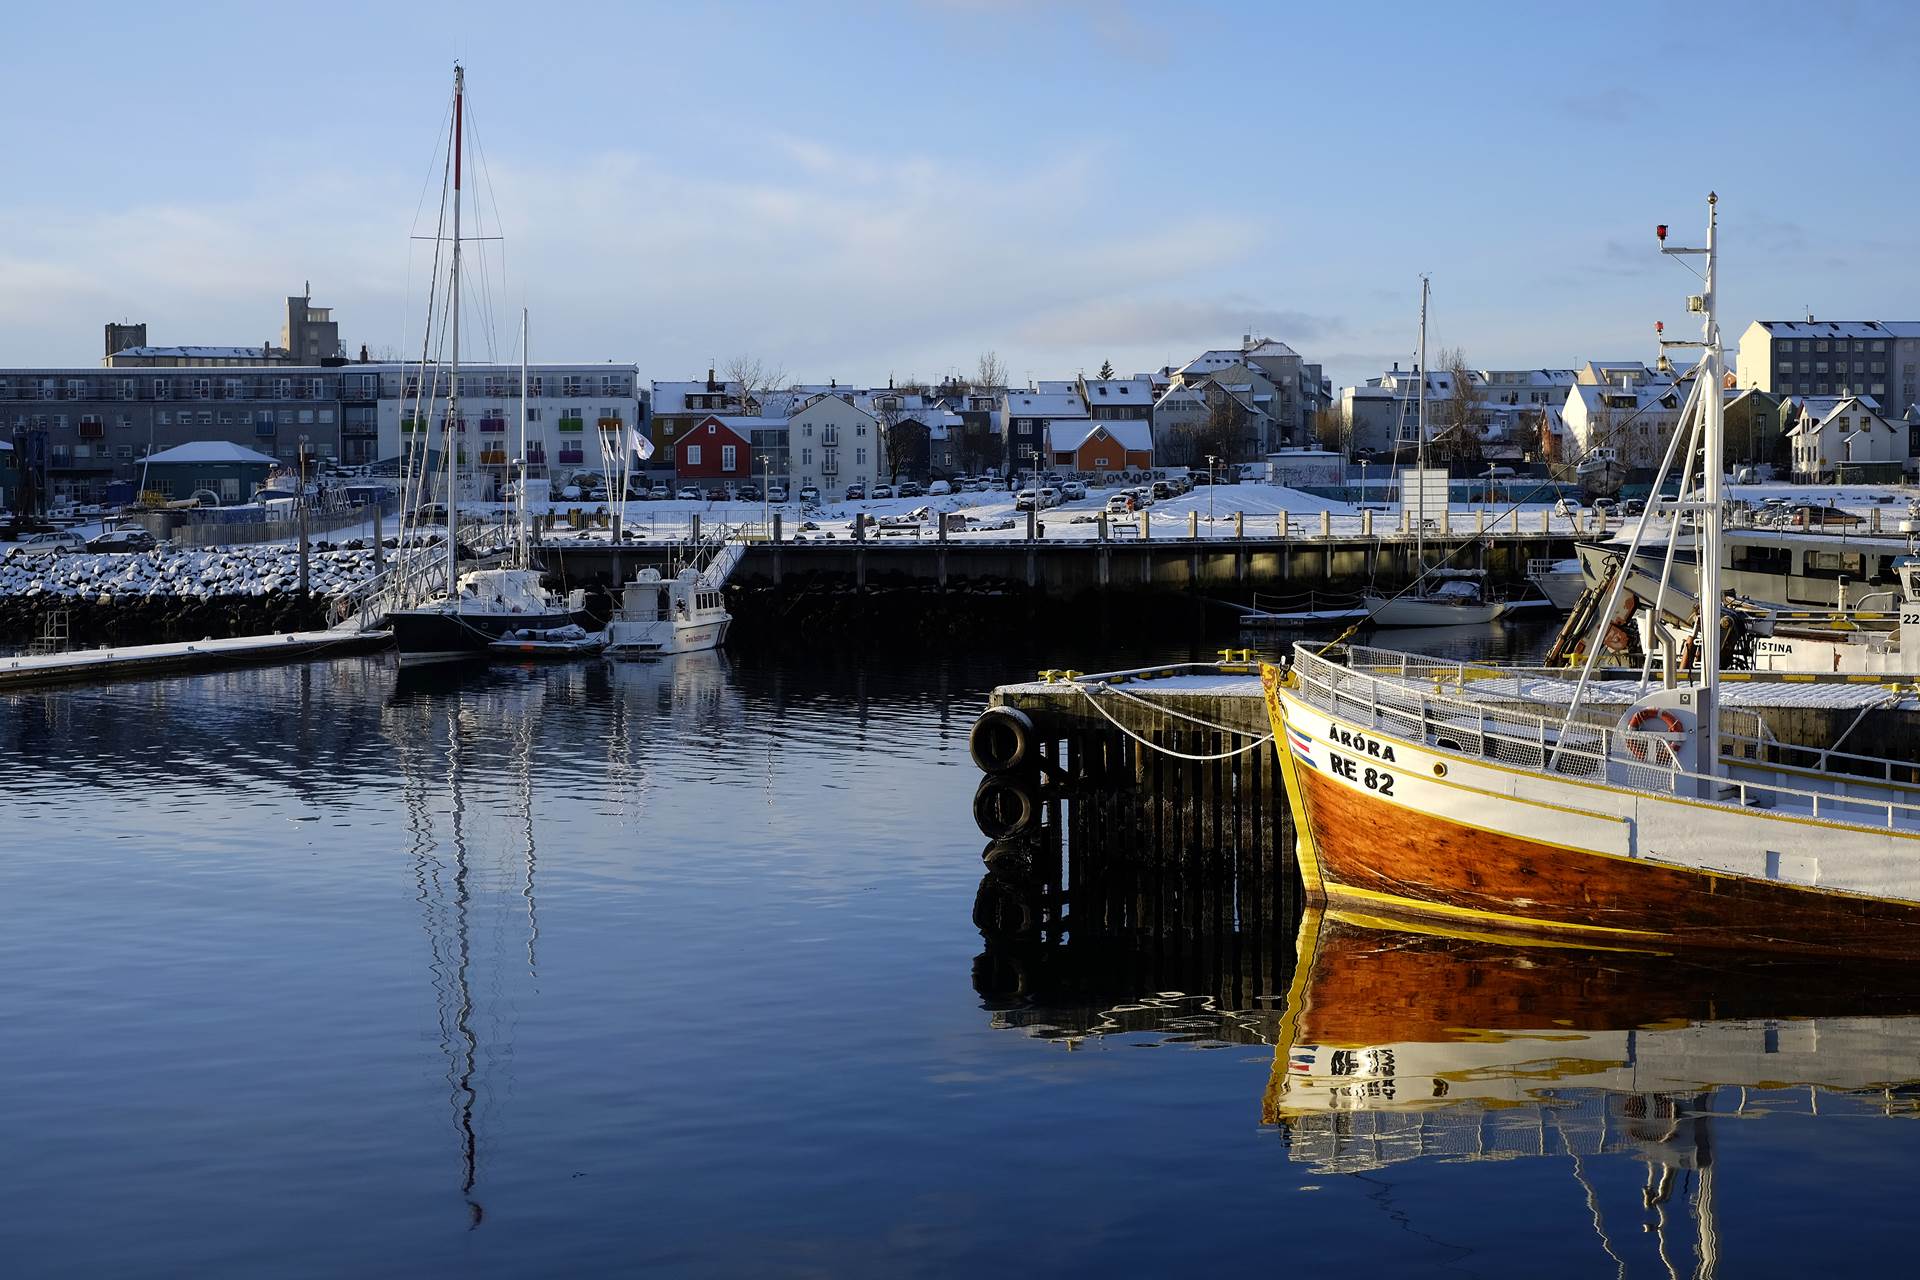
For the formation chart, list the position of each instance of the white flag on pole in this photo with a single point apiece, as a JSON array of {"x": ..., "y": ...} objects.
[{"x": 639, "y": 443}]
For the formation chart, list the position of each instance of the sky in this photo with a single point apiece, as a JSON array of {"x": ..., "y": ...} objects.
[{"x": 862, "y": 191}]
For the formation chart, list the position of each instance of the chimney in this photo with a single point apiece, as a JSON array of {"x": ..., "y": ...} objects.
[
  {"x": 363, "y": 353},
  {"x": 711, "y": 384}
]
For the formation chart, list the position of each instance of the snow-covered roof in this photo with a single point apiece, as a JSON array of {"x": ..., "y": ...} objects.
[
  {"x": 1270, "y": 348},
  {"x": 671, "y": 397},
  {"x": 1133, "y": 434},
  {"x": 203, "y": 353},
  {"x": 1182, "y": 397},
  {"x": 1841, "y": 328},
  {"x": 211, "y": 451},
  {"x": 1046, "y": 404},
  {"x": 1119, "y": 391}
]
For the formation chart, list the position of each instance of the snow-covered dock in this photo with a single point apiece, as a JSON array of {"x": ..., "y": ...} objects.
[{"x": 28, "y": 670}]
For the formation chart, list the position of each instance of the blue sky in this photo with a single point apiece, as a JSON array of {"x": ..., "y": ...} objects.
[{"x": 862, "y": 190}]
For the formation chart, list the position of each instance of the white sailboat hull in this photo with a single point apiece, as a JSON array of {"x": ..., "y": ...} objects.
[{"x": 1426, "y": 611}]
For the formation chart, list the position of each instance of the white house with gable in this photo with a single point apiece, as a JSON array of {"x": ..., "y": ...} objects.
[
  {"x": 832, "y": 443},
  {"x": 1845, "y": 438}
]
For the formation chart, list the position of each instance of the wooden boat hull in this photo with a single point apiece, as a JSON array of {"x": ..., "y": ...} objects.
[{"x": 1424, "y": 835}]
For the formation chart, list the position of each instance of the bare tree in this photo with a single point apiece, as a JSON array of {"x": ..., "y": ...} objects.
[
  {"x": 886, "y": 409},
  {"x": 755, "y": 376},
  {"x": 1463, "y": 414},
  {"x": 990, "y": 374},
  {"x": 1333, "y": 426}
]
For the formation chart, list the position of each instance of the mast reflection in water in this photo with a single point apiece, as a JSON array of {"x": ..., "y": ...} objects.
[{"x": 1394, "y": 1049}]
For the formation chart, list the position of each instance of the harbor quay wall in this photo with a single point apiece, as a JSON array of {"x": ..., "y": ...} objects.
[
  {"x": 1222, "y": 566},
  {"x": 133, "y": 620}
]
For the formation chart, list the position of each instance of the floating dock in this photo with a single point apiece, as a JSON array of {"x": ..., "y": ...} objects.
[{"x": 24, "y": 671}]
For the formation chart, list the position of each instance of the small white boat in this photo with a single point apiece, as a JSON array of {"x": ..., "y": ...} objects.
[
  {"x": 1453, "y": 598},
  {"x": 1600, "y": 472},
  {"x": 659, "y": 616}
]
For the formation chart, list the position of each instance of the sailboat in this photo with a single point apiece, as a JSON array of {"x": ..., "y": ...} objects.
[
  {"x": 482, "y": 605},
  {"x": 1628, "y": 813},
  {"x": 1440, "y": 597}
]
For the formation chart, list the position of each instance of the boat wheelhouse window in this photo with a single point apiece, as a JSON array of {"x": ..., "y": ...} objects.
[
  {"x": 1777, "y": 560},
  {"x": 1884, "y": 573},
  {"x": 1835, "y": 564}
]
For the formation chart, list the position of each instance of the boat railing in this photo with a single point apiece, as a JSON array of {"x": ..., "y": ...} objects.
[
  {"x": 1306, "y": 602},
  {"x": 1457, "y": 707}
]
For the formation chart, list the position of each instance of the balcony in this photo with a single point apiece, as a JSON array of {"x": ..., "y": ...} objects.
[
  {"x": 611, "y": 424},
  {"x": 536, "y": 455},
  {"x": 573, "y": 424},
  {"x": 493, "y": 426},
  {"x": 91, "y": 430},
  {"x": 493, "y": 457},
  {"x": 571, "y": 456},
  {"x": 263, "y": 429}
]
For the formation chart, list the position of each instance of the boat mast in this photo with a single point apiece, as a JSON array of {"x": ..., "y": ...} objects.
[
  {"x": 453, "y": 383},
  {"x": 1713, "y": 447},
  {"x": 520, "y": 515},
  {"x": 1420, "y": 457}
]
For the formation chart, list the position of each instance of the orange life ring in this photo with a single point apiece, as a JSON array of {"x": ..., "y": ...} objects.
[{"x": 1668, "y": 721}]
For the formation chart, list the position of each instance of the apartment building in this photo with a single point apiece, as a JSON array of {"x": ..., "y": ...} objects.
[
  {"x": 832, "y": 443},
  {"x": 574, "y": 412},
  {"x": 1877, "y": 358}
]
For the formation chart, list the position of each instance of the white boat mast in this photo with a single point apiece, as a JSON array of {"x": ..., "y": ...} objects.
[
  {"x": 453, "y": 383},
  {"x": 521, "y": 535},
  {"x": 1707, "y": 509},
  {"x": 1420, "y": 447}
]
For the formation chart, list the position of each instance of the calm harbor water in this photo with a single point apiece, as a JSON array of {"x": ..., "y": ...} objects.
[{"x": 675, "y": 968}]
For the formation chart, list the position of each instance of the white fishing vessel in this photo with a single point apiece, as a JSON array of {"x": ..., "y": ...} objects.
[
  {"x": 686, "y": 613},
  {"x": 481, "y": 605},
  {"x": 1561, "y": 581},
  {"x": 1634, "y": 813},
  {"x": 1439, "y": 597}
]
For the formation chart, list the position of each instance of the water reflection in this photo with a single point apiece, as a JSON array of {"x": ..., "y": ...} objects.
[{"x": 1400, "y": 1047}]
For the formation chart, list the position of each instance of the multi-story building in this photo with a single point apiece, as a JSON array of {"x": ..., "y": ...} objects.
[
  {"x": 576, "y": 414},
  {"x": 1845, "y": 439},
  {"x": 831, "y": 443},
  {"x": 1877, "y": 358},
  {"x": 1301, "y": 388},
  {"x": 1027, "y": 417},
  {"x": 679, "y": 406},
  {"x": 99, "y": 423},
  {"x": 1625, "y": 406}
]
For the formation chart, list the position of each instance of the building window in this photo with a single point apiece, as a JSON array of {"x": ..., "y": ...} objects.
[
  {"x": 806, "y": 457},
  {"x": 860, "y": 457},
  {"x": 728, "y": 455},
  {"x": 162, "y": 389},
  {"x": 693, "y": 455}
]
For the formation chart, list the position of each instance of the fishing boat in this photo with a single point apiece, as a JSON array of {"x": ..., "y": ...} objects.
[
  {"x": 1440, "y": 597},
  {"x": 475, "y": 608},
  {"x": 1560, "y": 581},
  {"x": 661, "y": 616},
  {"x": 1600, "y": 472},
  {"x": 1615, "y": 812}
]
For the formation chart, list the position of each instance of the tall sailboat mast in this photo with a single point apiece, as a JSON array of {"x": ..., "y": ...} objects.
[
  {"x": 453, "y": 376},
  {"x": 521, "y": 535},
  {"x": 1420, "y": 425}
]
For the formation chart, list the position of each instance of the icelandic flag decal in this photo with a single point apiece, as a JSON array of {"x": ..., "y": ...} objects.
[
  {"x": 1301, "y": 1058},
  {"x": 1301, "y": 744}
]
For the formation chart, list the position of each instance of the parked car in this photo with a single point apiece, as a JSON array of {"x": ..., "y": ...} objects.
[
  {"x": 123, "y": 540},
  {"x": 52, "y": 544},
  {"x": 911, "y": 489},
  {"x": 597, "y": 493},
  {"x": 749, "y": 493},
  {"x": 1119, "y": 504},
  {"x": 1049, "y": 496},
  {"x": 856, "y": 492},
  {"x": 777, "y": 493},
  {"x": 939, "y": 489},
  {"x": 956, "y": 521},
  {"x": 1162, "y": 489},
  {"x": 1024, "y": 500},
  {"x": 809, "y": 493},
  {"x": 881, "y": 491},
  {"x": 1073, "y": 491},
  {"x": 688, "y": 493},
  {"x": 1633, "y": 507},
  {"x": 716, "y": 494}
]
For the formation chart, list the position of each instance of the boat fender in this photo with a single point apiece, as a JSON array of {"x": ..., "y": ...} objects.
[
  {"x": 1002, "y": 740},
  {"x": 1668, "y": 722},
  {"x": 1002, "y": 808}
]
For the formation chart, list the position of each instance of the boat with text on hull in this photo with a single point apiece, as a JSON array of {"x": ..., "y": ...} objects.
[{"x": 1613, "y": 812}]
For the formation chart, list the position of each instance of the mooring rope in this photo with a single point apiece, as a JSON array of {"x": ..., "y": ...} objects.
[{"x": 1255, "y": 745}]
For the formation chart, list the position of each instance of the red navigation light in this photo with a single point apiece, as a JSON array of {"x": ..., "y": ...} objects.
[
  {"x": 1661, "y": 231},
  {"x": 1659, "y": 326}
]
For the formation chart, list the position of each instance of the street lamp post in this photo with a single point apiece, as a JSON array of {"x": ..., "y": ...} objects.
[
  {"x": 766, "y": 493},
  {"x": 1363, "y": 482},
  {"x": 1210, "y": 486}
]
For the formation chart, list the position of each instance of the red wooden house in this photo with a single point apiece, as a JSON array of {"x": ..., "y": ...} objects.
[{"x": 713, "y": 450}]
